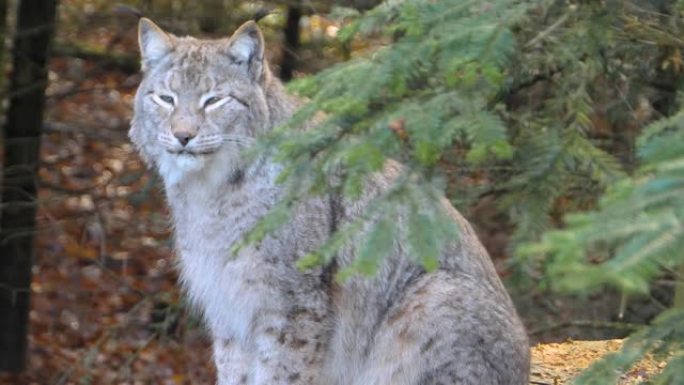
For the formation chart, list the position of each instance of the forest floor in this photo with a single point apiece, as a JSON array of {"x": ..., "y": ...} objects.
[
  {"x": 559, "y": 363},
  {"x": 105, "y": 308}
]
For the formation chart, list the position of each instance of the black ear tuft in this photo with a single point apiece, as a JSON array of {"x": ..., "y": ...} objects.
[{"x": 261, "y": 13}]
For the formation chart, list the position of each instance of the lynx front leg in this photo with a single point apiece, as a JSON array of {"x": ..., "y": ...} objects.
[
  {"x": 289, "y": 350},
  {"x": 232, "y": 364}
]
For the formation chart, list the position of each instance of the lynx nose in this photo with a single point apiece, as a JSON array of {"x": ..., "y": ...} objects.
[{"x": 183, "y": 137}]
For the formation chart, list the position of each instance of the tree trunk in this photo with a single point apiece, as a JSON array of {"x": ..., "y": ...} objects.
[
  {"x": 291, "y": 46},
  {"x": 3, "y": 31},
  {"x": 35, "y": 26}
]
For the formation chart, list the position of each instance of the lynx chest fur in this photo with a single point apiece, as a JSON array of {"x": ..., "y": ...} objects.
[{"x": 199, "y": 105}]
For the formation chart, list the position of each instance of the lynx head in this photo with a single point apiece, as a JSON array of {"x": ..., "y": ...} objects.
[{"x": 201, "y": 102}]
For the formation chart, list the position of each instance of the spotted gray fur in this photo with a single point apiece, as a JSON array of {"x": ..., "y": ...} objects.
[{"x": 200, "y": 103}]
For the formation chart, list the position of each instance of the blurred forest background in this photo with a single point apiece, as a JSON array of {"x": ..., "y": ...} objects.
[{"x": 555, "y": 126}]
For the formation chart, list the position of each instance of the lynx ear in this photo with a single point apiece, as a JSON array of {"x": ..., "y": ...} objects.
[
  {"x": 246, "y": 48},
  {"x": 154, "y": 42}
]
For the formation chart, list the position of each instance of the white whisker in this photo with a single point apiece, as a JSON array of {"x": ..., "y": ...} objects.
[
  {"x": 239, "y": 139},
  {"x": 202, "y": 144}
]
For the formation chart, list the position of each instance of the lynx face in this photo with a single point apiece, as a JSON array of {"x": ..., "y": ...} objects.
[{"x": 200, "y": 101}]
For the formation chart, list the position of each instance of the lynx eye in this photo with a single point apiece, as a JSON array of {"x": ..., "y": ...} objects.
[
  {"x": 211, "y": 100},
  {"x": 166, "y": 101}
]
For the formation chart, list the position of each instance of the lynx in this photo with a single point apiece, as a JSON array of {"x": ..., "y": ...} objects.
[{"x": 199, "y": 105}]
